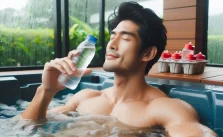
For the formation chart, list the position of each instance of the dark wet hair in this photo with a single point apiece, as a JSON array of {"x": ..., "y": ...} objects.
[{"x": 151, "y": 29}]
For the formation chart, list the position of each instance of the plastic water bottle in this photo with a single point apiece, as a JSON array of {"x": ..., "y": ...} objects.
[{"x": 87, "y": 52}]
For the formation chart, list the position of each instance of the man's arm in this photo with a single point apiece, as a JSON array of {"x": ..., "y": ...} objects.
[
  {"x": 38, "y": 107},
  {"x": 189, "y": 129},
  {"x": 50, "y": 86},
  {"x": 74, "y": 101},
  {"x": 180, "y": 119}
]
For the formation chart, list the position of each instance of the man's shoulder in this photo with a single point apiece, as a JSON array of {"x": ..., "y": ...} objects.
[
  {"x": 88, "y": 93},
  {"x": 171, "y": 103},
  {"x": 81, "y": 96},
  {"x": 154, "y": 93},
  {"x": 173, "y": 108}
]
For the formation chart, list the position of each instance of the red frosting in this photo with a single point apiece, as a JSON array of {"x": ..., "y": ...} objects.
[
  {"x": 189, "y": 46},
  {"x": 166, "y": 54},
  {"x": 200, "y": 56},
  {"x": 176, "y": 55},
  {"x": 190, "y": 57}
]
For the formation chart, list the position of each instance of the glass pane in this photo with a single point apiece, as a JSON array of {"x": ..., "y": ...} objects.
[
  {"x": 84, "y": 20},
  {"x": 26, "y": 32},
  {"x": 215, "y": 32}
]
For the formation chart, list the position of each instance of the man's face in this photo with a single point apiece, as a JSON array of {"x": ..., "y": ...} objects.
[{"x": 122, "y": 52}]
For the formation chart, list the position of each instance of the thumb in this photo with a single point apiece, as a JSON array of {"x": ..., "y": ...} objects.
[{"x": 87, "y": 71}]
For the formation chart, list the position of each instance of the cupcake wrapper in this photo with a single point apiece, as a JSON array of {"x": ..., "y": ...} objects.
[
  {"x": 189, "y": 68},
  {"x": 163, "y": 67},
  {"x": 175, "y": 67}
]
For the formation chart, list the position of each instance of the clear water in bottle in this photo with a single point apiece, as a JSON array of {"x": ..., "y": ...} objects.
[{"x": 87, "y": 52}]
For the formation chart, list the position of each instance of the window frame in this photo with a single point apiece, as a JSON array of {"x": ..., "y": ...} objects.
[
  {"x": 61, "y": 25},
  {"x": 205, "y": 49}
]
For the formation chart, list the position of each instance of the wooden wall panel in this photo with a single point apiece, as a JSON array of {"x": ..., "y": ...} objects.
[
  {"x": 180, "y": 13},
  {"x": 172, "y": 50},
  {"x": 178, "y": 44},
  {"x": 168, "y": 4},
  {"x": 185, "y": 21},
  {"x": 183, "y": 29}
]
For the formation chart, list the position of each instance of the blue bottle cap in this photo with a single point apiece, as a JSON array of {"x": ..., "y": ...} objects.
[{"x": 92, "y": 39}]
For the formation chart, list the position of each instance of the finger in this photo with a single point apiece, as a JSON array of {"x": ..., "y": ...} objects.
[
  {"x": 87, "y": 71},
  {"x": 70, "y": 63},
  {"x": 73, "y": 53},
  {"x": 65, "y": 65},
  {"x": 50, "y": 65}
]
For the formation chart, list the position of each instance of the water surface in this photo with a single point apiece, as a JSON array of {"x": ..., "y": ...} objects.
[{"x": 74, "y": 124}]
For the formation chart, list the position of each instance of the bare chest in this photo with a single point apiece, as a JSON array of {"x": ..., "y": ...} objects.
[{"x": 130, "y": 113}]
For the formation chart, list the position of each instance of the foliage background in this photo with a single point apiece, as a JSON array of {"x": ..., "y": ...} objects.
[{"x": 27, "y": 35}]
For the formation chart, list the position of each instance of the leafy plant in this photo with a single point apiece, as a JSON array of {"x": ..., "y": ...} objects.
[
  {"x": 78, "y": 33},
  {"x": 25, "y": 46},
  {"x": 36, "y": 46}
]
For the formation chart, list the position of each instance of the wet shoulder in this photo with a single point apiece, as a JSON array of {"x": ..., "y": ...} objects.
[
  {"x": 174, "y": 109},
  {"x": 82, "y": 96},
  {"x": 89, "y": 93},
  {"x": 107, "y": 92},
  {"x": 154, "y": 93}
]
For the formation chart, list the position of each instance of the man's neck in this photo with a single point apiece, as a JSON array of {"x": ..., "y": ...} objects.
[{"x": 128, "y": 87}]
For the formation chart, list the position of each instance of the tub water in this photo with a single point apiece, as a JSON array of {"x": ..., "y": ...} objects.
[
  {"x": 206, "y": 99},
  {"x": 74, "y": 124}
]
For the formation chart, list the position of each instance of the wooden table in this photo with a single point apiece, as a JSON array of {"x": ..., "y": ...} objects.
[
  {"x": 217, "y": 80},
  {"x": 211, "y": 75}
]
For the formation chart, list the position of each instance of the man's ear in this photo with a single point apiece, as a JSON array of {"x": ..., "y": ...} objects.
[{"x": 149, "y": 54}]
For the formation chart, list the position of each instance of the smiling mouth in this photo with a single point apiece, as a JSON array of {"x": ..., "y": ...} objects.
[{"x": 111, "y": 57}]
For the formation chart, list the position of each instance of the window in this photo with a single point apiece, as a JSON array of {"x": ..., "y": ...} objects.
[
  {"x": 84, "y": 20},
  {"x": 26, "y": 32},
  {"x": 27, "y": 29},
  {"x": 215, "y": 32}
]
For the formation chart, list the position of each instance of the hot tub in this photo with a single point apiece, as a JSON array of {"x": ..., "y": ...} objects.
[{"x": 206, "y": 99}]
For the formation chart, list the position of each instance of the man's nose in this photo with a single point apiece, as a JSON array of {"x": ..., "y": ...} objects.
[{"x": 113, "y": 44}]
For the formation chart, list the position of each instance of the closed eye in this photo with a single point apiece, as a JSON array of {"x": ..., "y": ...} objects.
[
  {"x": 126, "y": 39},
  {"x": 112, "y": 36}
]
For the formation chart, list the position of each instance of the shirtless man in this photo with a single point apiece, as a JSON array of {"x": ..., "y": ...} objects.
[{"x": 137, "y": 40}]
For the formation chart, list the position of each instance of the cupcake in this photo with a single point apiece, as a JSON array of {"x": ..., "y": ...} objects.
[
  {"x": 163, "y": 61},
  {"x": 201, "y": 59},
  {"x": 175, "y": 66},
  {"x": 188, "y": 49},
  {"x": 191, "y": 57},
  {"x": 166, "y": 55},
  {"x": 190, "y": 66}
]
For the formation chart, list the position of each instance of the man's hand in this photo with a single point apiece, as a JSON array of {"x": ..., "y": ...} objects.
[{"x": 54, "y": 68}]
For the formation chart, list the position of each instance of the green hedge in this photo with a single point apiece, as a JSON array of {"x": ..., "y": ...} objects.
[
  {"x": 78, "y": 33},
  {"x": 27, "y": 47},
  {"x": 215, "y": 49}
]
